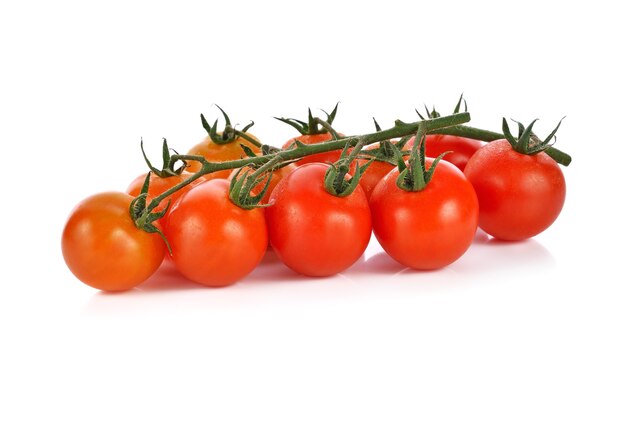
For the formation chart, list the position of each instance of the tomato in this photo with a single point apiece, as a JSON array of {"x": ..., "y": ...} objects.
[
  {"x": 311, "y": 139},
  {"x": 103, "y": 247},
  {"x": 215, "y": 242},
  {"x": 519, "y": 195},
  {"x": 215, "y": 152},
  {"x": 277, "y": 175},
  {"x": 159, "y": 185},
  {"x": 312, "y": 231},
  {"x": 426, "y": 229},
  {"x": 461, "y": 148}
]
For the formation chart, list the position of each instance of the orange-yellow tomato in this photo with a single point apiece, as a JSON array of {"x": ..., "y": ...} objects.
[
  {"x": 104, "y": 249},
  {"x": 215, "y": 152}
]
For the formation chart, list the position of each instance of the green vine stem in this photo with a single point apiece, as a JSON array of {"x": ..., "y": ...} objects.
[
  {"x": 301, "y": 150},
  {"x": 488, "y": 136}
]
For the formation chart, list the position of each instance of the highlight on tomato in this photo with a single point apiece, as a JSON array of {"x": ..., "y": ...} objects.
[
  {"x": 313, "y": 231},
  {"x": 103, "y": 247},
  {"x": 313, "y": 132},
  {"x": 215, "y": 242},
  {"x": 521, "y": 190},
  {"x": 220, "y": 146},
  {"x": 425, "y": 214}
]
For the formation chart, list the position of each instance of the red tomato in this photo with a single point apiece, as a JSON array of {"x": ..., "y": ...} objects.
[
  {"x": 461, "y": 148},
  {"x": 159, "y": 185},
  {"x": 214, "y": 152},
  {"x": 310, "y": 139},
  {"x": 215, "y": 242},
  {"x": 312, "y": 231},
  {"x": 427, "y": 229},
  {"x": 277, "y": 175},
  {"x": 519, "y": 195},
  {"x": 103, "y": 247}
]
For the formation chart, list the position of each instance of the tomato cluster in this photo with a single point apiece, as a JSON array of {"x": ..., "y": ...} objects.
[{"x": 318, "y": 213}]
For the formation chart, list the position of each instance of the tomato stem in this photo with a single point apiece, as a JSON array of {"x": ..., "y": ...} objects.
[
  {"x": 489, "y": 136},
  {"x": 301, "y": 150}
]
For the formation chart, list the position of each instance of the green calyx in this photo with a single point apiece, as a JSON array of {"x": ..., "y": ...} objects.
[
  {"x": 229, "y": 133},
  {"x": 527, "y": 142},
  {"x": 168, "y": 169},
  {"x": 241, "y": 187},
  {"x": 314, "y": 125},
  {"x": 414, "y": 176},
  {"x": 142, "y": 215},
  {"x": 430, "y": 114},
  {"x": 335, "y": 181}
]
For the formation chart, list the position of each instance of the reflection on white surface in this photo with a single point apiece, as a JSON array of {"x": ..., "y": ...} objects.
[{"x": 375, "y": 273}]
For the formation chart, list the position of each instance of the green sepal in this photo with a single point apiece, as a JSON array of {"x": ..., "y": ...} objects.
[
  {"x": 142, "y": 215},
  {"x": 240, "y": 191},
  {"x": 528, "y": 143},
  {"x": 167, "y": 170},
  {"x": 378, "y": 129},
  {"x": 249, "y": 152},
  {"x": 458, "y": 105},
  {"x": 312, "y": 126},
  {"x": 247, "y": 126}
]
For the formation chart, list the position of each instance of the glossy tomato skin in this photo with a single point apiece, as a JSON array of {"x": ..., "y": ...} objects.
[
  {"x": 310, "y": 139},
  {"x": 312, "y": 231},
  {"x": 215, "y": 242},
  {"x": 103, "y": 247},
  {"x": 461, "y": 148},
  {"x": 519, "y": 195},
  {"x": 159, "y": 185},
  {"x": 214, "y": 152},
  {"x": 428, "y": 229}
]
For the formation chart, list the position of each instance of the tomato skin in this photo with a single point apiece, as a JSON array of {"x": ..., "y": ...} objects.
[
  {"x": 104, "y": 249},
  {"x": 519, "y": 195},
  {"x": 214, "y": 152},
  {"x": 461, "y": 148},
  {"x": 159, "y": 185},
  {"x": 311, "y": 139},
  {"x": 214, "y": 242},
  {"x": 277, "y": 175},
  {"x": 428, "y": 229},
  {"x": 312, "y": 231}
]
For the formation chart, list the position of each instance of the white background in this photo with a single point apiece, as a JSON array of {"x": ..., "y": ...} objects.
[{"x": 531, "y": 330}]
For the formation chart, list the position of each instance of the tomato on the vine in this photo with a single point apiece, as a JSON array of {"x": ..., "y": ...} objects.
[
  {"x": 460, "y": 148},
  {"x": 215, "y": 242},
  {"x": 425, "y": 229},
  {"x": 312, "y": 231},
  {"x": 520, "y": 195},
  {"x": 104, "y": 249}
]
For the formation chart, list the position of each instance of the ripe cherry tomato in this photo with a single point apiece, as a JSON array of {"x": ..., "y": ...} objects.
[
  {"x": 277, "y": 175},
  {"x": 427, "y": 229},
  {"x": 215, "y": 242},
  {"x": 159, "y": 185},
  {"x": 103, "y": 247},
  {"x": 312, "y": 231},
  {"x": 215, "y": 152},
  {"x": 519, "y": 195},
  {"x": 310, "y": 139},
  {"x": 461, "y": 148}
]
